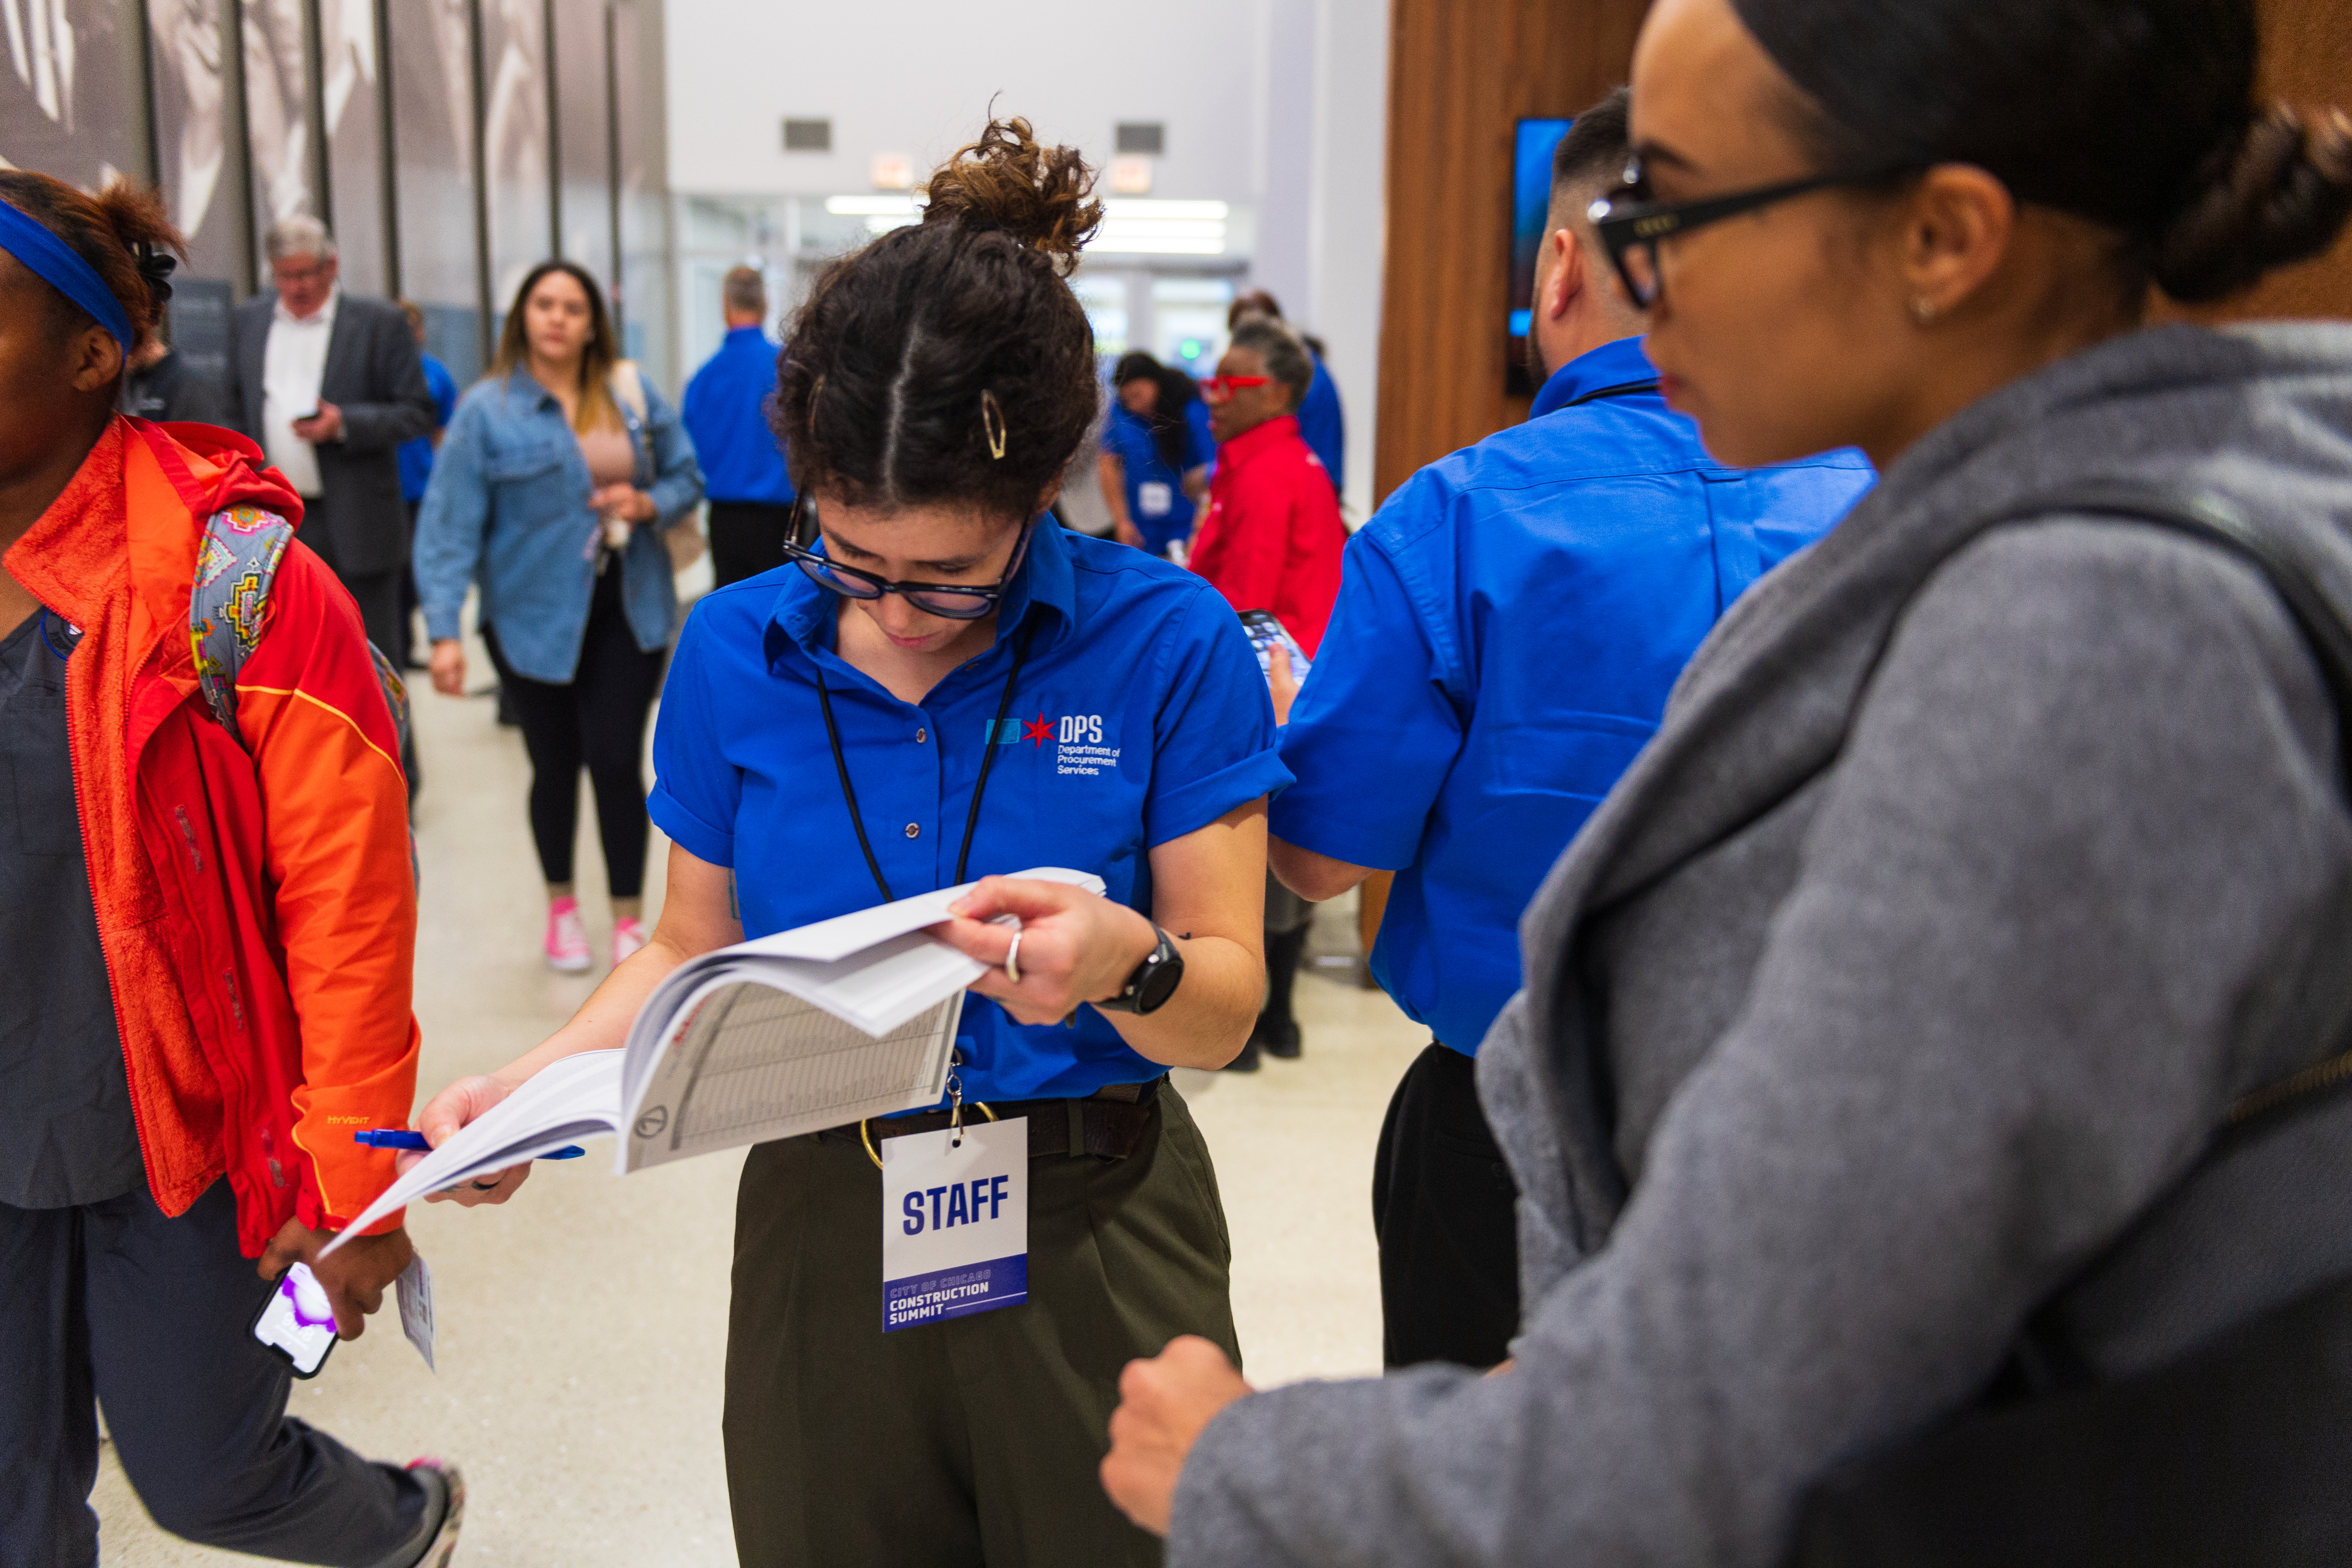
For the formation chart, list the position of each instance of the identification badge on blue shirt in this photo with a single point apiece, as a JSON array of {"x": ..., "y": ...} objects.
[
  {"x": 955, "y": 1223},
  {"x": 1153, "y": 498}
]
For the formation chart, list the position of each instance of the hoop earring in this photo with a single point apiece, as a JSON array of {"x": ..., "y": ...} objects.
[{"x": 991, "y": 424}]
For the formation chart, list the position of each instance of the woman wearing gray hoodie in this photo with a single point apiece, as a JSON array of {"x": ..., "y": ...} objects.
[{"x": 1990, "y": 852}]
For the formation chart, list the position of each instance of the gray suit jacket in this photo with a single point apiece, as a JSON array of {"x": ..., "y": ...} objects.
[{"x": 360, "y": 526}]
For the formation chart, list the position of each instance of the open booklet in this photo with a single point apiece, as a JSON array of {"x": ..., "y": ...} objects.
[{"x": 812, "y": 1027}]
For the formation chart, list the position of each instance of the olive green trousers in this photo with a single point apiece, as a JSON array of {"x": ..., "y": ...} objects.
[{"x": 975, "y": 1440}]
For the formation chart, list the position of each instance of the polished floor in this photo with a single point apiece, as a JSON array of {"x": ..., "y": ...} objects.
[{"x": 582, "y": 1327}]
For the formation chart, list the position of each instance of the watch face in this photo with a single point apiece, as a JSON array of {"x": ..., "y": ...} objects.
[{"x": 1160, "y": 984}]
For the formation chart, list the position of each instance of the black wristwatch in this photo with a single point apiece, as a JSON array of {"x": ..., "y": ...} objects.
[{"x": 1154, "y": 981}]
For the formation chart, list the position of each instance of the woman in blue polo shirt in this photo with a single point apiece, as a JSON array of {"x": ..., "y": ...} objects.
[
  {"x": 1155, "y": 454},
  {"x": 942, "y": 687}
]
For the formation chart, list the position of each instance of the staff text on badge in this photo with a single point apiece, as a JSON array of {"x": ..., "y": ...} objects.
[{"x": 955, "y": 1223}]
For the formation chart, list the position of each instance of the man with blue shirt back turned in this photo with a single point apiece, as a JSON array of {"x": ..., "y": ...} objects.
[
  {"x": 725, "y": 413},
  {"x": 1508, "y": 628}
]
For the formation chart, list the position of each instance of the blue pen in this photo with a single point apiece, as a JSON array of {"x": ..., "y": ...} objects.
[{"x": 400, "y": 1138}]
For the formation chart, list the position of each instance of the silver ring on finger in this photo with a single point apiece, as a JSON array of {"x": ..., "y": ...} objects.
[{"x": 1013, "y": 960}]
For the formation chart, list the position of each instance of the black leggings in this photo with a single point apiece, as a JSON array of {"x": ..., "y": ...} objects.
[{"x": 598, "y": 721}]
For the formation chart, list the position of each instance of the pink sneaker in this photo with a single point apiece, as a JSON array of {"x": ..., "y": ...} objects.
[
  {"x": 567, "y": 939},
  {"x": 628, "y": 936},
  {"x": 440, "y": 1476}
]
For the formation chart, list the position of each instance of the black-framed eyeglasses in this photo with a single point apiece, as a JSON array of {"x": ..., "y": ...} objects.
[
  {"x": 1632, "y": 227},
  {"x": 952, "y": 601}
]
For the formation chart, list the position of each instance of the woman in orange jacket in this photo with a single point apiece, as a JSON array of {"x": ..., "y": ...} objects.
[{"x": 209, "y": 930}]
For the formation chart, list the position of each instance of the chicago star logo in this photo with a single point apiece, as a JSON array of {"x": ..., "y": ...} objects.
[{"x": 1077, "y": 739}]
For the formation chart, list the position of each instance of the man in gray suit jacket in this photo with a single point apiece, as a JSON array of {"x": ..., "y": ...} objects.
[{"x": 330, "y": 384}]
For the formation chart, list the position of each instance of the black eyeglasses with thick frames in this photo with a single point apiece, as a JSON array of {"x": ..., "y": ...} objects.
[
  {"x": 1632, "y": 226},
  {"x": 951, "y": 601}
]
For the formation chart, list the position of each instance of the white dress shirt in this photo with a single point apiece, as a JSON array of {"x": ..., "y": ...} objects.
[{"x": 292, "y": 366}]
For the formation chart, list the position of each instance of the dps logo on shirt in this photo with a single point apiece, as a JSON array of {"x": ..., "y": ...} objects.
[{"x": 1081, "y": 747}]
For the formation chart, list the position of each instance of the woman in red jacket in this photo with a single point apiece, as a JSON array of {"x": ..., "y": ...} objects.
[
  {"x": 1273, "y": 537},
  {"x": 1272, "y": 541},
  {"x": 208, "y": 936}
]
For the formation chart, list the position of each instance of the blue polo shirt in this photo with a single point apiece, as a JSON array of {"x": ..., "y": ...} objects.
[
  {"x": 1166, "y": 513},
  {"x": 415, "y": 456},
  {"x": 1139, "y": 717},
  {"x": 725, "y": 412},
  {"x": 1507, "y": 629},
  {"x": 1323, "y": 424}
]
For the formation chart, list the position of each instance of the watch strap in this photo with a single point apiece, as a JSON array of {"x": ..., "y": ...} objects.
[{"x": 1163, "y": 954}]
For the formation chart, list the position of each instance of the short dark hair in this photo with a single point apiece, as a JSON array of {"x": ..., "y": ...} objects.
[
  {"x": 2136, "y": 114},
  {"x": 1597, "y": 147},
  {"x": 922, "y": 358}
]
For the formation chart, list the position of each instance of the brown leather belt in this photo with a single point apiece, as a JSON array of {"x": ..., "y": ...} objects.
[{"x": 1108, "y": 1125}]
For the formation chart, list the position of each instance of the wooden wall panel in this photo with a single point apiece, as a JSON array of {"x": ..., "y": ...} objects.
[
  {"x": 2306, "y": 60},
  {"x": 1462, "y": 73}
]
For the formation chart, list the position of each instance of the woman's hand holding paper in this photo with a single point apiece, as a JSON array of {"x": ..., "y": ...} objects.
[{"x": 447, "y": 1112}]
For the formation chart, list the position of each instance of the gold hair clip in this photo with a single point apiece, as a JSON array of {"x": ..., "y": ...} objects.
[
  {"x": 991, "y": 421},
  {"x": 815, "y": 393}
]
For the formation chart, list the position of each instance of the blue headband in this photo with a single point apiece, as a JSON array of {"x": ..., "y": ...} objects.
[{"x": 53, "y": 260}]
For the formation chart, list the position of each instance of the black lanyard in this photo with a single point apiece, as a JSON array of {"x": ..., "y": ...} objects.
[{"x": 987, "y": 761}]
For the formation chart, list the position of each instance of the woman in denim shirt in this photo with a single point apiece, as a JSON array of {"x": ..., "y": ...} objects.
[{"x": 557, "y": 477}]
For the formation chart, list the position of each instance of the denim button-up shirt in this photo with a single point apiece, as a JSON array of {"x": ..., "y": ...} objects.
[{"x": 508, "y": 507}]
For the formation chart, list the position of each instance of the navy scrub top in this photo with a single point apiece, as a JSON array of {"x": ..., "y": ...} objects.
[
  {"x": 1139, "y": 716},
  {"x": 1507, "y": 629},
  {"x": 1165, "y": 514}
]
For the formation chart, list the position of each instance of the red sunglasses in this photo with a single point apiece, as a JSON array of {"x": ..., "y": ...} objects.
[{"x": 1217, "y": 388}]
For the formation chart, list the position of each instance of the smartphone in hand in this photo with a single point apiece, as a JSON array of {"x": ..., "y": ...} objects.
[
  {"x": 1265, "y": 632},
  {"x": 297, "y": 1323}
]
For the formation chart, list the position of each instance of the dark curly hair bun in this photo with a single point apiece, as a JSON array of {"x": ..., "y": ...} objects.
[
  {"x": 1042, "y": 197},
  {"x": 2281, "y": 195},
  {"x": 948, "y": 361}
]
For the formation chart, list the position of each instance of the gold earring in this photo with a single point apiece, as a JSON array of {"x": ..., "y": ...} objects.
[{"x": 1923, "y": 310}]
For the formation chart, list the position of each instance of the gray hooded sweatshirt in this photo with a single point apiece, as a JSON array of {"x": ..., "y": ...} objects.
[{"x": 1974, "y": 873}]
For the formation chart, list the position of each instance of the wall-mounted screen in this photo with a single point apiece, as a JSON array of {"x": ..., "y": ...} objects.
[{"x": 1532, "y": 148}]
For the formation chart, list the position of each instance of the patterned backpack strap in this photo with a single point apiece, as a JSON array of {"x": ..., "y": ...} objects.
[{"x": 229, "y": 602}]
